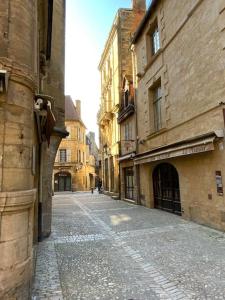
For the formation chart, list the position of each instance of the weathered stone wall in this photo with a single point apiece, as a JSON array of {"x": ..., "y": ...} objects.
[
  {"x": 21, "y": 22},
  {"x": 190, "y": 68},
  {"x": 17, "y": 193},
  {"x": 53, "y": 85}
]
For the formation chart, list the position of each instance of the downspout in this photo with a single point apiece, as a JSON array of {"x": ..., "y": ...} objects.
[
  {"x": 137, "y": 168},
  {"x": 40, "y": 193},
  {"x": 119, "y": 87}
]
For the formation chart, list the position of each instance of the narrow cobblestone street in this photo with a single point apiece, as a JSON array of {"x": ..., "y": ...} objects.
[{"x": 108, "y": 249}]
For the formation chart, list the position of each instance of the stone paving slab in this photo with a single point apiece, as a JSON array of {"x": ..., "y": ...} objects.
[
  {"x": 47, "y": 283},
  {"x": 107, "y": 249}
]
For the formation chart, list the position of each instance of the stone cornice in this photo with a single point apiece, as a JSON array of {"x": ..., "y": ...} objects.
[
  {"x": 19, "y": 73},
  {"x": 18, "y": 200}
]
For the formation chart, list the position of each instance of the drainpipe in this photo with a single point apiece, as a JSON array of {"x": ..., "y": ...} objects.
[
  {"x": 137, "y": 168},
  {"x": 40, "y": 193}
]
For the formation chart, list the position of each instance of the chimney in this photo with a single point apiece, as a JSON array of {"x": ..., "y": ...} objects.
[
  {"x": 78, "y": 107},
  {"x": 139, "y": 5}
]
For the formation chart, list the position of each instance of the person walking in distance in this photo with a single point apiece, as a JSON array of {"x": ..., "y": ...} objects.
[{"x": 99, "y": 185}]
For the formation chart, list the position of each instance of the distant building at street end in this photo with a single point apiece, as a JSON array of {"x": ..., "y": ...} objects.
[
  {"x": 94, "y": 151},
  {"x": 74, "y": 168}
]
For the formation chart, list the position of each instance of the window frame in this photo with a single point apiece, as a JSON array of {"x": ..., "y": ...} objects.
[
  {"x": 155, "y": 40},
  {"x": 62, "y": 154},
  {"x": 151, "y": 50},
  {"x": 157, "y": 107}
]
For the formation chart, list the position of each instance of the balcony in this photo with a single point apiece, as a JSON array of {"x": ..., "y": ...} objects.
[
  {"x": 125, "y": 112},
  {"x": 104, "y": 114}
]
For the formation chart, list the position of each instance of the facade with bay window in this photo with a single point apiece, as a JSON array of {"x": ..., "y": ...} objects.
[
  {"x": 127, "y": 122},
  {"x": 180, "y": 109},
  {"x": 115, "y": 63}
]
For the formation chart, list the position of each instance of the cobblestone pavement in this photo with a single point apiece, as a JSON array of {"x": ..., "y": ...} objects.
[{"x": 107, "y": 249}]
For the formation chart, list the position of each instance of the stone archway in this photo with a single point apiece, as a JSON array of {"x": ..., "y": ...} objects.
[{"x": 166, "y": 188}]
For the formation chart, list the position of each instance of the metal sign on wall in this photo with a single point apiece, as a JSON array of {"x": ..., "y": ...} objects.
[{"x": 219, "y": 183}]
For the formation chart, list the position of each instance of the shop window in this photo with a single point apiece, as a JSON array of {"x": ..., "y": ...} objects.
[{"x": 65, "y": 155}]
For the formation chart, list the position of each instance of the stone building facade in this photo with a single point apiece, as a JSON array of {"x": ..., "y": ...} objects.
[
  {"x": 94, "y": 152},
  {"x": 74, "y": 168},
  {"x": 179, "y": 50},
  {"x": 31, "y": 127},
  {"x": 115, "y": 63}
]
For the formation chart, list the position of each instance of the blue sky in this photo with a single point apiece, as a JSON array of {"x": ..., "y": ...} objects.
[{"x": 88, "y": 23}]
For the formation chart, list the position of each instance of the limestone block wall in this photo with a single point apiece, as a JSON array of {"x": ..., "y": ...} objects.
[
  {"x": 17, "y": 190},
  {"x": 200, "y": 201},
  {"x": 53, "y": 84},
  {"x": 189, "y": 67}
]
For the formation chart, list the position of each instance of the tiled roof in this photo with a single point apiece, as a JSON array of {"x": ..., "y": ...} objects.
[{"x": 71, "y": 113}]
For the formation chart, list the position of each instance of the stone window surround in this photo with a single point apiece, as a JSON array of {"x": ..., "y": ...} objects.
[
  {"x": 150, "y": 52},
  {"x": 151, "y": 102}
]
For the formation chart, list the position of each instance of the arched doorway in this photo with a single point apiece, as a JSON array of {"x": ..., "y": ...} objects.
[
  {"x": 166, "y": 188},
  {"x": 62, "y": 182}
]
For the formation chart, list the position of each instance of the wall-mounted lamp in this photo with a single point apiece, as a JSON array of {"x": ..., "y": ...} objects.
[
  {"x": 42, "y": 101},
  {"x": 4, "y": 78}
]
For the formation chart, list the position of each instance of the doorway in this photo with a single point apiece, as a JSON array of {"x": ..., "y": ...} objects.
[
  {"x": 166, "y": 188},
  {"x": 62, "y": 182}
]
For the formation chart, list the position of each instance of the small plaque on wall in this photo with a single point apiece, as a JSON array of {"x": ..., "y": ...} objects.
[{"x": 219, "y": 183}]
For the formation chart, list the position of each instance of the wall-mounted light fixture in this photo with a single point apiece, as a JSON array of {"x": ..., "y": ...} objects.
[{"x": 4, "y": 78}]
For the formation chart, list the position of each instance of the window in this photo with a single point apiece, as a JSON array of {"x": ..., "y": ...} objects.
[
  {"x": 155, "y": 40},
  {"x": 69, "y": 130},
  {"x": 157, "y": 102},
  {"x": 62, "y": 155},
  {"x": 78, "y": 156},
  {"x": 126, "y": 98},
  {"x": 127, "y": 132},
  {"x": 129, "y": 183},
  {"x": 78, "y": 134}
]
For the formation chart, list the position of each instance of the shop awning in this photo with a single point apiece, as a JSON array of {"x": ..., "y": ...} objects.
[{"x": 191, "y": 146}]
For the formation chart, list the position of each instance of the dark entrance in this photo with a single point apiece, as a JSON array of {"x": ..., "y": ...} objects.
[
  {"x": 166, "y": 188},
  {"x": 129, "y": 183},
  {"x": 62, "y": 182}
]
